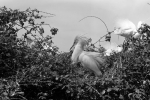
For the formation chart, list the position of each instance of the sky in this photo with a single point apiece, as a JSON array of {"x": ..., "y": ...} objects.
[{"x": 69, "y": 12}]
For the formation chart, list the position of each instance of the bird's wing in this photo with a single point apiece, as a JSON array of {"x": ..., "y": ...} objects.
[
  {"x": 77, "y": 51},
  {"x": 125, "y": 24},
  {"x": 92, "y": 60},
  {"x": 125, "y": 28},
  {"x": 94, "y": 55}
]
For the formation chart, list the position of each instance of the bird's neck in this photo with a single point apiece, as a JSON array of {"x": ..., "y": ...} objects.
[{"x": 76, "y": 53}]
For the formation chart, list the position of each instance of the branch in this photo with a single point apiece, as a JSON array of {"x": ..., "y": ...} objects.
[
  {"x": 97, "y": 18},
  {"x": 94, "y": 89},
  {"x": 102, "y": 37},
  {"x": 32, "y": 25},
  {"x": 47, "y": 13}
]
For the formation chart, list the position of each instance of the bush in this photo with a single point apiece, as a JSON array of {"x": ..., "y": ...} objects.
[{"x": 31, "y": 68}]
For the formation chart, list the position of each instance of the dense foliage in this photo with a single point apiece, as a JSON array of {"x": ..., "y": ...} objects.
[{"x": 31, "y": 68}]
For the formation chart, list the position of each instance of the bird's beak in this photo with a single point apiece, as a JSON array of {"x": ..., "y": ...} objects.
[{"x": 72, "y": 47}]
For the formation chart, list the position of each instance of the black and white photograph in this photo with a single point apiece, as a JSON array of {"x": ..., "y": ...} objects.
[{"x": 74, "y": 50}]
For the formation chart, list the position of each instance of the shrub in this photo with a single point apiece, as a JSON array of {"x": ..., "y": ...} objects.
[{"x": 31, "y": 68}]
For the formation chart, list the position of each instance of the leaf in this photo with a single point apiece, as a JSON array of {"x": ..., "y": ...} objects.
[
  {"x": 115, "y": 88},
  {"x": 5, "y": 93},
  {"x": 121, "y": 97},
  {"x": 25, "y": 36},
  {"x": 41, "y": 31},
  {"x": 67, "y": 91},
  {"x": 109, "y": 89},
  {"x": 42, "y": 22},
  {"x": 103, "y": 92},
  {"x": 29, "y": 40},
  {"x": 137, "y": 91},
  {"x": 31, "y": 21},
  {"x": 54, "y": 31},
  {"x": 21, "y": 22}
]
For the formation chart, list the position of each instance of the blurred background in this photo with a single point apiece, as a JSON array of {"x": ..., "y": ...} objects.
[{"x": 69, "y": 12}]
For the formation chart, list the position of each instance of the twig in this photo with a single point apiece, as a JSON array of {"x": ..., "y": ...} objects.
[
  {"x": 94, "y": 89},
  {"x": 47, "y": 13},
  {"x": 18, "y": 98},
  {"x": 97, "y": 18},
  {"x": 31, "y": 25},
  {"x": 100, "y": 39}
]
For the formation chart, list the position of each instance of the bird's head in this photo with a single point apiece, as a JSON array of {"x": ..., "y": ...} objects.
[
  {"x": 74, "y": 43},
  {"x": 125, "y": 28},
  {"x": 83, "y": 41},
  {"x": 78, "y": 46}
]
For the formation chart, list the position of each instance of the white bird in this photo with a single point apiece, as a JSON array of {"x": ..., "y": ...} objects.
[
  {"x": 117, "y": 49},
  {"x": 91, "y": 60},
  {"x": 108, "y": 52},
  {"x": 127, "y": 29}
]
